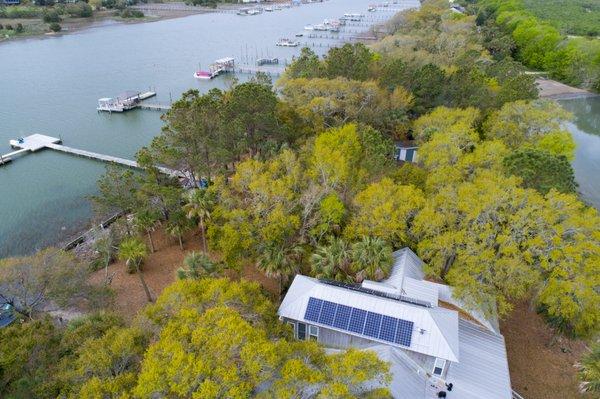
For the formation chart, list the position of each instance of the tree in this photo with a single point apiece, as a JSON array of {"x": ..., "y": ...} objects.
[
  {"x": 199, "y": 204},
  {"x": 541, "y": 170},
  {"x": 198, "y": 265},
  {"x": 351, "y": 61},
  {"x": 371, "y": 259},
  {"x": 483, "y": 237},
  {"x": 280, "y": 262},
  {"x": 145, "y": 220},
  {"x": 41, "y": 282},
  {"x": 441, "y": 119},
  {"x": 106, "y": 248},
  {"x": 385, "y": 210},
  {"x": 178, "y": 225},
  {"x": 132, "y": 250},
  {"x": 306, "y": 65},
  {"x": 250, "y": 109},
  {"x": 107, "y": 366},
  {"x": 536, "y": 122},
  {"x": 117, "y": 190},
  {"x": 589, "y": 370},
  {"x": 332, "y": 261}
]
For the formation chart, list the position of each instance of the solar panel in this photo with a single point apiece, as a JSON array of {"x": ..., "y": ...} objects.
[
  {"x": 372, "y": 325},
  {"x": 342, "y": 317},
  {"x": 359, "y": 321},
  {"x": 313, "y": 309},
  {"x": 388, "y": 328},
  {"x": 327, "y": 313},
  {"x": 404, "y": 332}
]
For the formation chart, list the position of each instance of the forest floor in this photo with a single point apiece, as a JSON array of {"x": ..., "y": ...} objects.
[
  {"x": 541, "y": 362},
  {"x": 160, "y": 270}
]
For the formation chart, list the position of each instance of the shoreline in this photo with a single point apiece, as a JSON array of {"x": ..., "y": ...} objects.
[
  {"x": 107, "y": 18},
  {"x": 555, "y": 90}
]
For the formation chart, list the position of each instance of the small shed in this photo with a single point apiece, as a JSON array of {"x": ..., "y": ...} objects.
[{"x": 406, "y": 151}]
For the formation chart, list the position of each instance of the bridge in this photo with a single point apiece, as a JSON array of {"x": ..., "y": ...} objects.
[{"x": 37, "y": 142}]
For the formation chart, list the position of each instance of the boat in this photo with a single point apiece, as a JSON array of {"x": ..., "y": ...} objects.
[
  {"x": 320, "y": 27},
  {"x": 372, "y": 9},
  {"x": 300, "y": 34},
  {"x": 267, "y": 61},
  {"x": 269, "y": 9},
  {"x": 222, "y": 65},
  {"x": 309, "y": 27},
  {"x": 124, "y": 101},
  {"x": 287, "y": 43}
]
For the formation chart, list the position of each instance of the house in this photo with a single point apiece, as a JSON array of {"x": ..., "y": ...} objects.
[
  {"x": 406, "y": 151},
  {"x": 11, "y": 2},
  {"x": 435, "y": 346}
]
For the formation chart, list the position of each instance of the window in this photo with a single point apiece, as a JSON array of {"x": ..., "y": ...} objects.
[
  {"x": 292, "y": 326},
  {"x": 301, "y": 332},
  {"x": 438, "y": 366},
  {"x": 313, "y": 332}
]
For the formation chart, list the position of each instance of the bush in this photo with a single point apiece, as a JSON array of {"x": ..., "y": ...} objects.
[
  {"x": 8, "y": 27},
  {"x": 19, "y": 28},
  {"x": 55, "y": 27},
  {"x": 79, "y": 10},
  {"x": 129, "y": 13},
  {"x": 51, "y": 16},
  {"x": 1, "y": 27}
]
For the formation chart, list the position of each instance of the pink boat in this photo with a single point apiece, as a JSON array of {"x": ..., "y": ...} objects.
[{"x": 203, "y": 75}]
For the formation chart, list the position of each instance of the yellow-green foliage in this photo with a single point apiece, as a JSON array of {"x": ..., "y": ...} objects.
[{"x": 385, "y": 209}]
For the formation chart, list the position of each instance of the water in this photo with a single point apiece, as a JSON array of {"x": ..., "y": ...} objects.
[
  {"x": 586, "y": 132},
  {"x": 51, "y": 86}
]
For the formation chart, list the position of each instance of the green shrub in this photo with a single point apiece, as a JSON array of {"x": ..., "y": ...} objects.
[
  {"x": 19, "y": 28},
  {"x": 129, "y": 13},
  {"x": 51, "y": 16},
  {"x": 79, "y": 10},
  {"x": 8, "y": 27},
  {"x": 55, "y": 27}
]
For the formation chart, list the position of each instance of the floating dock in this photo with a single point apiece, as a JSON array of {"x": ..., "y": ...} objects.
[
  {"x": 37, "y": 142},
  {"x": 130, "y": 100}
]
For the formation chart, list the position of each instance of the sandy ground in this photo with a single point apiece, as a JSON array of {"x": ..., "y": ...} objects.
[
  {"x": 541, "y": 363},
  {"x": 159, "y": 271},
  {"x": 552, "y": 89}
]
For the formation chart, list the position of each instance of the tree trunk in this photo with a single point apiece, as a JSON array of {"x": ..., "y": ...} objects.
[
  {"x": 203, "y": 235},
  {"x": 180, "y": 241},
  {"x": 447, "y": 264},
  {"x": 146, "y": 290},
  {"x": 151, "y": 241}
]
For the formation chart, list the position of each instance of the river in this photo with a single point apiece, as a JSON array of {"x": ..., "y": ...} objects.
[
  {"x": 585, "y": 129},
  {"x": 51, "y": 86}
]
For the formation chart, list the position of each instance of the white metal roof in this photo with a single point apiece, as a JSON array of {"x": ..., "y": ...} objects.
[
  {"x": 427, "y": 337},
  {"x": 483, "y": 368},
  {"x": 406, "y": 263}
]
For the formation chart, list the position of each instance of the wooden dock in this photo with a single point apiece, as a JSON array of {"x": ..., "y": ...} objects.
[
  {"x": 37, "y": 142},
  {"x": 155, "y": 107}
]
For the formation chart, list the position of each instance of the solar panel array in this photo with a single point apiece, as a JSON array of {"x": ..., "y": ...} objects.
[{"x": 359, "y": 321}]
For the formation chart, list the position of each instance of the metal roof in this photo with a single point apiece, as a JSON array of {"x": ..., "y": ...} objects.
[
  {"x": 427, "y": 337},
  {"x": 483, "y": 368}
]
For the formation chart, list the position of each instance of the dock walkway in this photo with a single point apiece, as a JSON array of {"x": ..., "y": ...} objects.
[{"x": 37, "y": 142}]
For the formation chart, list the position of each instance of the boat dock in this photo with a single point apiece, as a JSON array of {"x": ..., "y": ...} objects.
[
  {"x": 130, "y": 100},
  {"x": 37, "y": 142}
]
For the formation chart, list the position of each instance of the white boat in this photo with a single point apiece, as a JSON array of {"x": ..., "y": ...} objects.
[
  {"x": 269, "y": 9},
  {"x": 320, "y": 27},
  {"x": 287, "y": 43},
  {"x": 309, "y": 27}
]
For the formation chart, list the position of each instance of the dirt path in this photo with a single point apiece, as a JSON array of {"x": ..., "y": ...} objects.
[{"x": 540, "y": 363}]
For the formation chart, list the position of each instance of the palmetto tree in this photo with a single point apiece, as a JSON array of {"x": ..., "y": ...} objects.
[
  {"x": 145, "y": 221},
  {"x": 589, "y": 370},
  {"x": 280, "y": 262},
  {"x": 198, "y": 265},
  {"x": 371, "y": 258},
  {"x": 177, "y": 226},
  {"x": 133, "y": 251},
  {"x": 199, "y": 204},
  {"x": 332, "y": 261}
]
